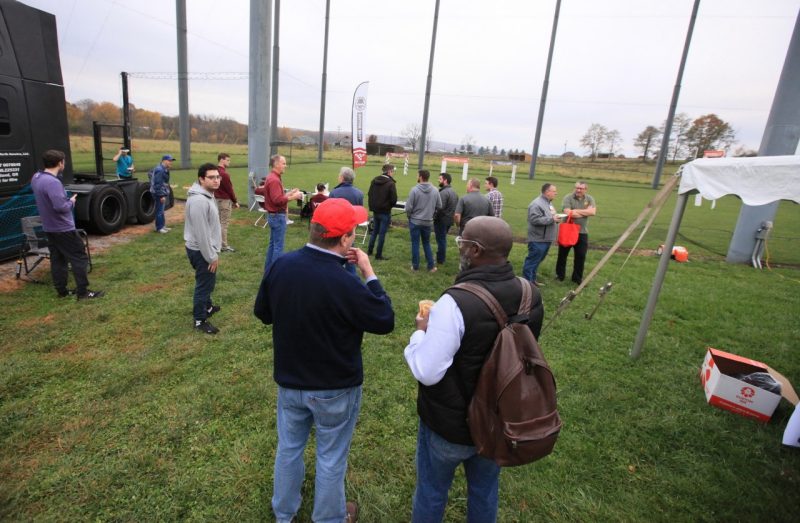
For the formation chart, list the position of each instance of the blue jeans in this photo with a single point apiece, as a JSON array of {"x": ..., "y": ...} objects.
[
  {"x": 437, "y": 460},
  {"x": 204, "y": 282},
  {"x": 277, "y": 234},
  {"x": 380, "y": 226},
  {"x": 333, "y": 413},
  {"x": 160, "y": 219},
  {"x": 536, "y": 253},
  {"x": 420, "y": 232},
  {"x": 440, "y": 230}
]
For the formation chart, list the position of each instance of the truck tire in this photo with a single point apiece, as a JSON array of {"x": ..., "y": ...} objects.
[
  {"x": 170, "y": 203},
  {"x": 108, "y": 210},
  {"x": 145, "y": 205}
]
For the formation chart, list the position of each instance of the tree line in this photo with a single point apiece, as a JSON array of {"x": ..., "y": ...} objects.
[
  {"x": 688, "y": 139},
  {"x": 152, "y": 124}
]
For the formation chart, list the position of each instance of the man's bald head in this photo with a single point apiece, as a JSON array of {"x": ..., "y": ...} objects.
[{"x": 494, "y": 234}]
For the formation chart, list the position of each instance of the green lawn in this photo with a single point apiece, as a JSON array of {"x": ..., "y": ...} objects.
[{"x": 117, "y": 410}]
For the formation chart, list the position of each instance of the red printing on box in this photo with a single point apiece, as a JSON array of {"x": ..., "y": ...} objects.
[{"x": 722, "y": 403}]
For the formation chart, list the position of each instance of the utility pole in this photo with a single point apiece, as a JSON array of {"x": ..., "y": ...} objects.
[
  {"x": 276, "y": 57},
  {"x": 183, "y": 86},
  {"x": 324, "y": 81},
  {"x": 543, "y": 101},
  {"x": 258, "y": 128},
  {"x": 662, "y": 155},
  {"x": 780, "y": 138},
  {"x": 428, "y": 88}
]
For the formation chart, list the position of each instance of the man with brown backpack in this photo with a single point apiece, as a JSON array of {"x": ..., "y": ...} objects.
[{"x": 456, "y": 354}]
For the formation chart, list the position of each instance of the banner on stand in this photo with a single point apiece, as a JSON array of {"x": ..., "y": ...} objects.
[{"x": 359, "y": 125}]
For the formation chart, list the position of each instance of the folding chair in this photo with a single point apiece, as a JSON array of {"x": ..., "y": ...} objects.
[
  {"x": 257, "y": 201},
  {"x": 367, "y": 225},
  {"x": 35, "y": 244}
]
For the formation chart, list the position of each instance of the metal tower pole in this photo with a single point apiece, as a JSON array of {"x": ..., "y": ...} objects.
[
  {"x": 423, "y": 135},
  {"x": 258, "y": 129},
  {"x": 183, "y": 86},
  {"x": 662, "y": 155},
  {"x": 324, "y": 81},
  {"x": 276, "y": 58},
  {"x": 781, "y": 137},
  {"x": 543, "y": 101}
]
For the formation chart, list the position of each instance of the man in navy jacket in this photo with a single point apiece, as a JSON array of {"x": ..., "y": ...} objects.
[{"x": 319, "y": 313}]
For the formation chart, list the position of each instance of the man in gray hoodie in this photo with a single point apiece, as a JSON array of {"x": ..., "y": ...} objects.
[
  {"x": 203, "y": 237},
  {"x": 422, "y": 203},
  {"x": 542, "y": 231}
]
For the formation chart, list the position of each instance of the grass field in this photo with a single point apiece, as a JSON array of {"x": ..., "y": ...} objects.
[{"x": 117, "y": 410}]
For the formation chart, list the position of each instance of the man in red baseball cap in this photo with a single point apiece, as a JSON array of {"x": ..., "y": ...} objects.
[{"x": 319, "y": 313}]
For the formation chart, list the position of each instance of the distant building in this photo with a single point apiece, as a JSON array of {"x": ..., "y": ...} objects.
[
  {"x": 520, "y": 157},
  {"x": 380, "y": 149}
]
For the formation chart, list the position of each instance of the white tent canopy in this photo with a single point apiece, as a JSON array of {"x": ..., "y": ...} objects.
[{"x": 757, "y": 181}]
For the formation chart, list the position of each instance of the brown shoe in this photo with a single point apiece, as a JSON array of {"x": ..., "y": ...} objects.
[{"x": 352, "y": 512}]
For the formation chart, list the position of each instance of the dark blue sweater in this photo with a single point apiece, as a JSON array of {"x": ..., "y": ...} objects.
[
  {"x": 319, "y": 313},
  {"x": 349, "y": 193}
]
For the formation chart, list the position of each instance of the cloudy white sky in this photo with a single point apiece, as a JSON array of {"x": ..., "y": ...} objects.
[{"x": 615, "y": 62}]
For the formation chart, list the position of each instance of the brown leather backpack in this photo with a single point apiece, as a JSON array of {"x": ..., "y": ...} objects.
[{"x": 512, "y": 417}]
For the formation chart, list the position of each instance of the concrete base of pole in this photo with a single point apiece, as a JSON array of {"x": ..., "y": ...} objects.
[{"x": 743, "y": 242}]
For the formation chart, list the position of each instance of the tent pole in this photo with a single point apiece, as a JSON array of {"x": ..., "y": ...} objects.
[{"x": 663, "y": 263}]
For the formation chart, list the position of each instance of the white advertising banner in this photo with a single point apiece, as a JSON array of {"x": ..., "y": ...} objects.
[{"x": 359, "y": 125}]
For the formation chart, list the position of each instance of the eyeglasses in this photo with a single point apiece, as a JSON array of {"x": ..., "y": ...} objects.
[
  {"x": 460, "y": 241},
  {"x": 213, "y": 177}
]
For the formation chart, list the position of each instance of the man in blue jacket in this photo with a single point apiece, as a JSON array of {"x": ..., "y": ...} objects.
[
  {"x": 319, "y": 314},
  {"x": 159, "y": 188},
  {"x": 346, "y": 189}
]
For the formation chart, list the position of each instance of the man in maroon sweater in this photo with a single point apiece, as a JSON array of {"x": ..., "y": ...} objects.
[
  {"x": 275, "y": 201},
  {"x": 225, "y": 197}
]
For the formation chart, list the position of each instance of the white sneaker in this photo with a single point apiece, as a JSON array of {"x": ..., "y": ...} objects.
[
  {"x": 163, "y": 231},
  {"x": 289, "y": 222}
]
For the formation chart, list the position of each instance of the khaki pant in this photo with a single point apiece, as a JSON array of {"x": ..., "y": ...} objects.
[{"x": 224, "y": 207}]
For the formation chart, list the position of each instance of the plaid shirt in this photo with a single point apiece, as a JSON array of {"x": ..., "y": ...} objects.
[{"x": 496, "y": 199}]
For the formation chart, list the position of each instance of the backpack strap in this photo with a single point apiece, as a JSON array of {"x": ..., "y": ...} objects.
[
  {"x": 525, "y": 302},
  {"x": 495, "y": 307},
  {"x": 487, "y": 298}
]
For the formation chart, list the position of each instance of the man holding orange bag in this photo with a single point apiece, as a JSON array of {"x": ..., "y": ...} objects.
[{"x": 580, "y": 206}]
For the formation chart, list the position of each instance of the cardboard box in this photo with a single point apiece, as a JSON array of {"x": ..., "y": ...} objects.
[{"x": 727, "y": 392}]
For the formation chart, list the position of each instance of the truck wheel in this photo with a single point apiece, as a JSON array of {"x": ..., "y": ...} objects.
[
  {"x": 108, "y": 210},
  {"x": 145, "y": 204}
]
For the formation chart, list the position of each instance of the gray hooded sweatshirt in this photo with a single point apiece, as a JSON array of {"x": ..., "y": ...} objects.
[
  {"x": 422, "y": 203},
  {"x": 201, "y": 229}
]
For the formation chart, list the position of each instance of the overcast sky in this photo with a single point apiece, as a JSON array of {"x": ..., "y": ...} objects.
[{"x": 615, "y": 63}]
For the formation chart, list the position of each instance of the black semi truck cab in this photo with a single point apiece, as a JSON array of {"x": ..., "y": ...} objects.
[{"x": 33, "y": 119}]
